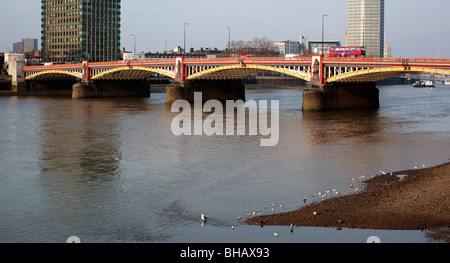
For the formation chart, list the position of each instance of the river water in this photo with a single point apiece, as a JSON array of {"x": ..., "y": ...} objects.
[{"x": 110, "y": 170}]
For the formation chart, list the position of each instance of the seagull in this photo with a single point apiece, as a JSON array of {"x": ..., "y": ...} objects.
[
  {"x": 291, "y": 228},
  {"x": 239, "y": 219},
  {"x": 232, "y": 228},
  {"x": 275, "y": 234},
  {"x": 204, "y": 217},
  {"x": 314, "y": 213}
]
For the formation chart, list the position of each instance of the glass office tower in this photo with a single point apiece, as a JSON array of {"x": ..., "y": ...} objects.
[
  {"x": 77, "y": 30},
  {"x": 365, "y": 26}
]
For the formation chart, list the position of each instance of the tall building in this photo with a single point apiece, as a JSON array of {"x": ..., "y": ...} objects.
[
  {"x": 365, "y": 25},
  {"x": 77, "y": 30},
  {"x": 30, "y": 45},
  {"x": 18, "y": 47}
]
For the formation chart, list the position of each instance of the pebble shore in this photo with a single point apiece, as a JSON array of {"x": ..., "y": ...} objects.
[{"x": 418, "y": 201}]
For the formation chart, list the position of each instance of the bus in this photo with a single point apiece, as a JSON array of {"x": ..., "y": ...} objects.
[{"x": 347, "y": 51}]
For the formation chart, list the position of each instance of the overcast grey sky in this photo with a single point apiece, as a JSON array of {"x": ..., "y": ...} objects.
[{"x": 413, "y": 28}]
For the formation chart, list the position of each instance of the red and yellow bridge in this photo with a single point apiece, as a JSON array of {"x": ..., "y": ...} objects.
[
  {"x": 321, "y": 71},
  {"x": 314, "y": 69}
]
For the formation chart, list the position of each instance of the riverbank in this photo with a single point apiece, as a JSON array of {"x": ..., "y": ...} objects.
[{"x": 419, "y": 201}]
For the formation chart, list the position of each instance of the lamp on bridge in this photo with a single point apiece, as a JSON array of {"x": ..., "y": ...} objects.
[
  {"x": 185, "y": 24},
  {"x": 229, "y": 39},
  {"x": 134, "y": 37},
  {"x": 323, "y": 27}
]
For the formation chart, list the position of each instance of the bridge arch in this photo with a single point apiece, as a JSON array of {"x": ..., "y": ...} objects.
[
  {"x": 239, "y": 71},
  {"x": 50, "y": 73},
  {"x": 131, "y": 72},
  {"x": 376, "y": 74}
]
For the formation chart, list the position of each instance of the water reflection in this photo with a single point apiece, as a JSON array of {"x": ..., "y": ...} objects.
[
  {"x": 331, "y": 127},
  {"x": 80, "y": 141}
]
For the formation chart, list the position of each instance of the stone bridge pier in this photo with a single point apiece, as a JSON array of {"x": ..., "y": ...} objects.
[
  {"x": 341, "y": 96},
  {"x": 221, "y": 90},
  {"x": 111, "y": 88}
]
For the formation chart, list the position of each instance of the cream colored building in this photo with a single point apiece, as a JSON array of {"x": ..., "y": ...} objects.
[{"x": 365, "y": 25}]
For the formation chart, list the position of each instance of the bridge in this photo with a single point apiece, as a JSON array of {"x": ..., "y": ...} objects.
[{"x": 339, "y": 82}]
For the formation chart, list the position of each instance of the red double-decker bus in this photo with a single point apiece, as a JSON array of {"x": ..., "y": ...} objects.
[{"x": 347, "y": 51}]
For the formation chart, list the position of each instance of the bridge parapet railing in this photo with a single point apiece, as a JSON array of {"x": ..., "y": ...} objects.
[
  {"x": 52, "y": 67},
  {"x": 125, "y": 62},
  {"x": 248, "y": 59}
]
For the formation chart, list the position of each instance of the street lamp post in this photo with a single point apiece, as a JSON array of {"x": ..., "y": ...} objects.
[
  {"x": 185, "y": 24},
  {"x": 229, "y": 40},
  {"x": 323, "y": 27},
  {"x": 134, "y": 40}
]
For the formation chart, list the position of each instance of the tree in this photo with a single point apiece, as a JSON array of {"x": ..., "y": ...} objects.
[{"x": 257, "y": 47}]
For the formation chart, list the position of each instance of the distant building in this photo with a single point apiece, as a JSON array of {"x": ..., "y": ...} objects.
[
  {"x": 178, "y": 50},
  {"x": 133, "y": 56},
  {"x": 315, "y": 47},
  {"x": 287, "y": 47},
  {"x": 27, "y": 45},
  {"x": 365, "y": 26},
  {"x": 387, "y": 51},
  {"x": 30, "y": 45},
  {"x": 304, "y": 43},
  {"x": 18, "y": 47}
]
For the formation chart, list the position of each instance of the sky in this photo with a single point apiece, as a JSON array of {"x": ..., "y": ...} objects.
[{"x": 413, "y": 28}]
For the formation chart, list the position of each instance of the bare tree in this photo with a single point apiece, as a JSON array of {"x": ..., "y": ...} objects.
[{"x": 257, "y": 47}]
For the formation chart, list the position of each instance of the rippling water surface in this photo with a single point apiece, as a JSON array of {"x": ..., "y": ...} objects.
[{"x": 110, "y": 170}]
